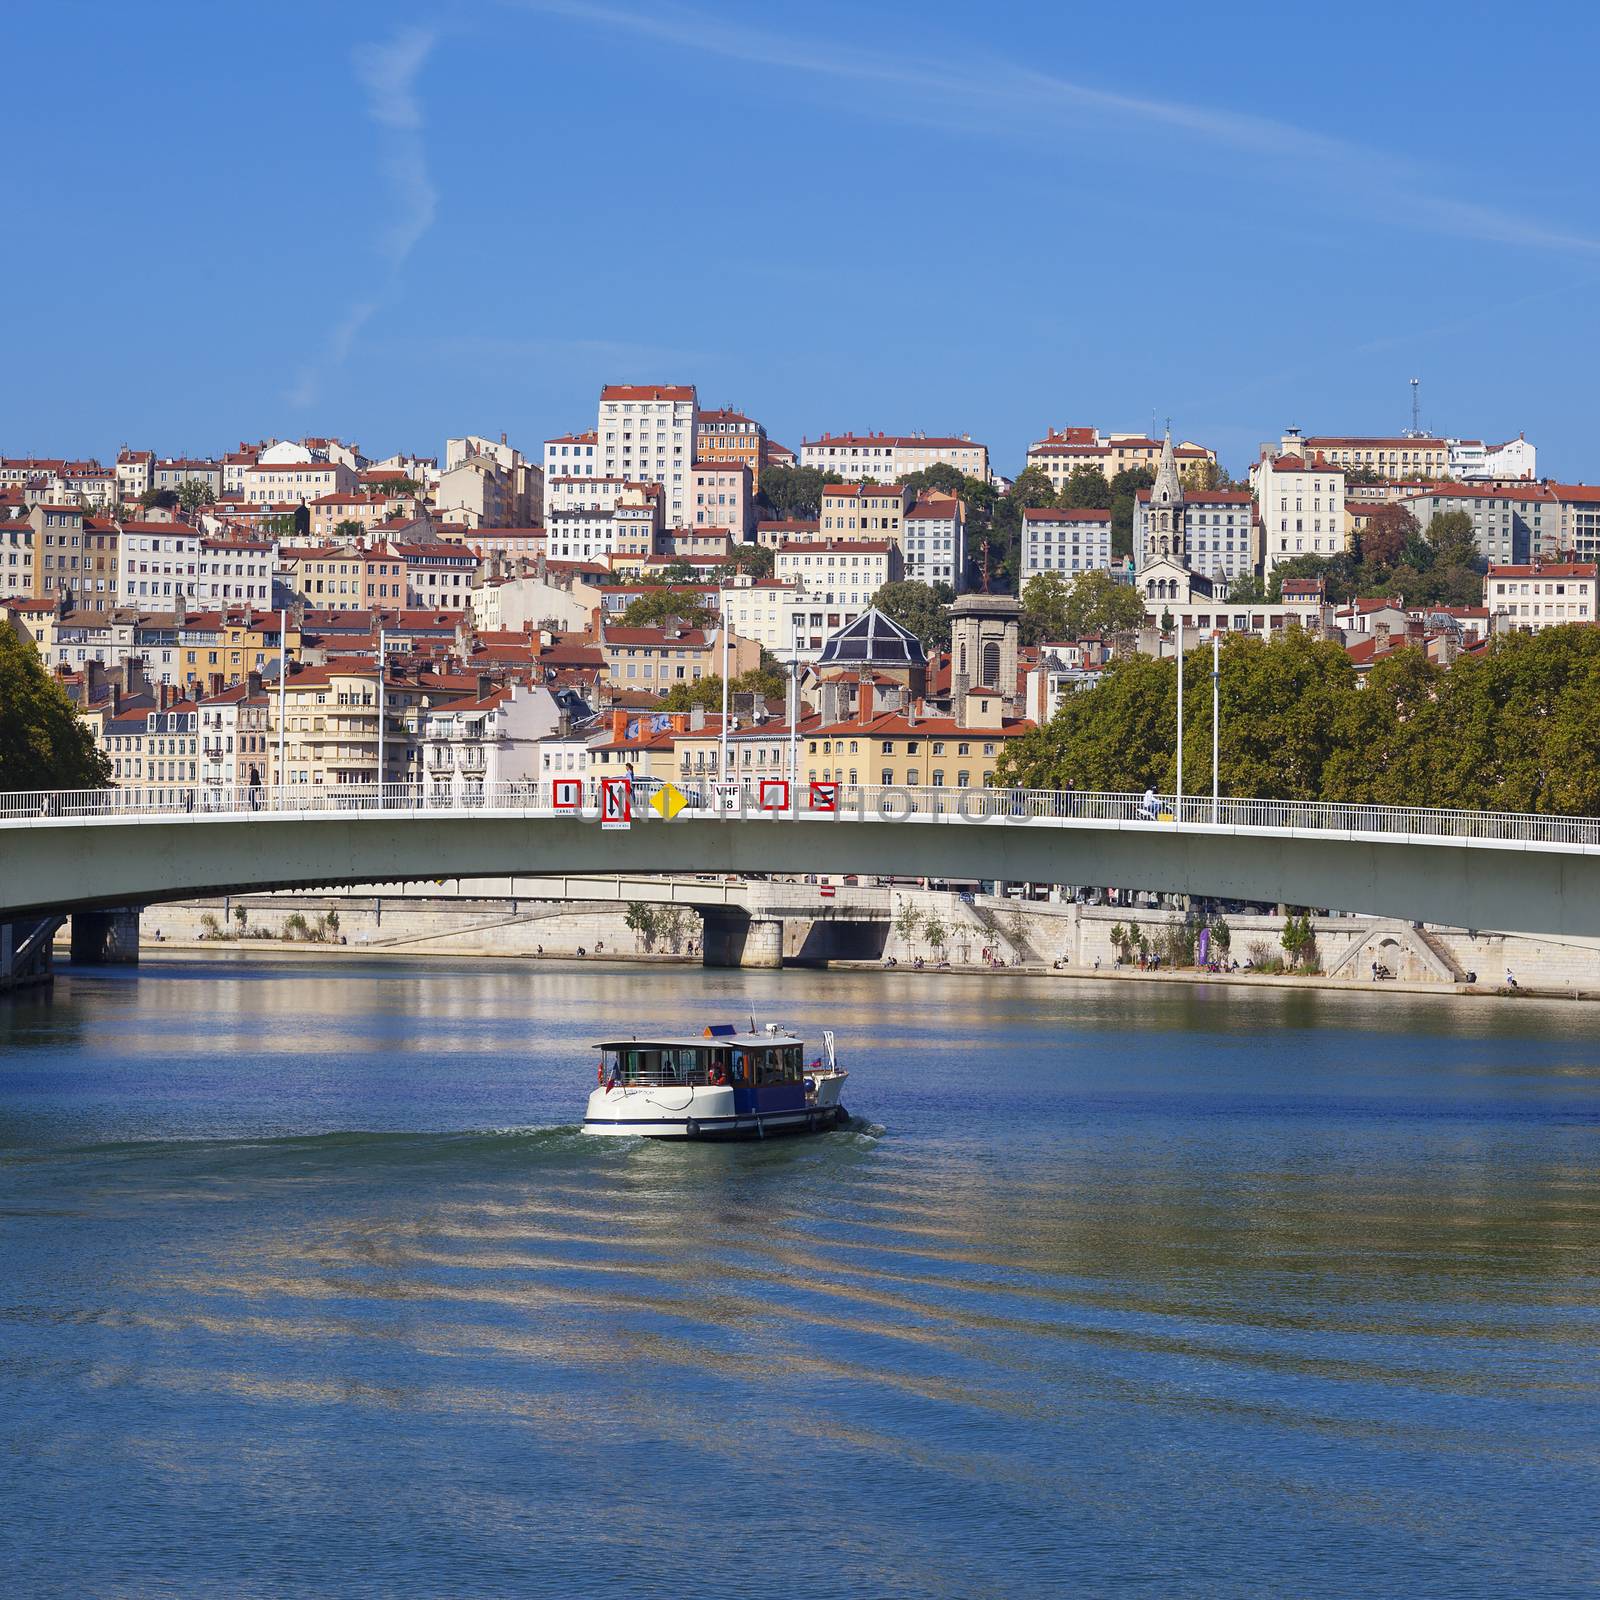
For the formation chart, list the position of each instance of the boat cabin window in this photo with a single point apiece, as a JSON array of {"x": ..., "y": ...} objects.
[{"x": 775, "y": 1064}]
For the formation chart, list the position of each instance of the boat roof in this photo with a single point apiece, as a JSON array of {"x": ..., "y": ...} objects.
[{"x": 700, "y": 1040}]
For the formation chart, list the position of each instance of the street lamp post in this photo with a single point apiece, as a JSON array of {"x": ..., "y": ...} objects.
[
  {"x": 283, "y": 691},
  {"x": 722, "y": 742},
  {"x": 1177, "y": 809},
  {"x": 1216, "y": 716}
]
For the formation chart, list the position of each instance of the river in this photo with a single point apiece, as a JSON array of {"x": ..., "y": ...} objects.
[{"x": 311, "y": 1287}]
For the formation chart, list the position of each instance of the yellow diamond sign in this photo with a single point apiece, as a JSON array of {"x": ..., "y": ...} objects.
[{"x": 668, "y": 801}]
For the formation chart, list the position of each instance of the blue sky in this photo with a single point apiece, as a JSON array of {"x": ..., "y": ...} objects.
[{"x": 396, "y": 222}]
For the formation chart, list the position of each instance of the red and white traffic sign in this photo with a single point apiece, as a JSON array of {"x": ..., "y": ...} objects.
[
  {"x": 616, "y": 803},
  {"x": 774, "y": 794},
  {"x": 824, "y": 796},
  {"x": 566, "y": 794}
]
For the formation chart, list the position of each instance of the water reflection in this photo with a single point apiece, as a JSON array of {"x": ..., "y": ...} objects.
[{"x": 312, "y": 1285}]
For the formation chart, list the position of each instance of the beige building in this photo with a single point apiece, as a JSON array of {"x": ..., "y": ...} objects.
[
  {"x": 1063, "y": 450},
  {"x": 74, "y": 555},
  {"x": 1300, "y": 497},
  {"x": 1540, "y": 594},
  {"x": 846, "y": 572},
  {"x": 658, "y": 659},
  {"x": 296, "y": 482},
  {"x": 1401, "y": 457},
  {"x": 889, "y": 457},
  {"x": 865, "y": 511}
]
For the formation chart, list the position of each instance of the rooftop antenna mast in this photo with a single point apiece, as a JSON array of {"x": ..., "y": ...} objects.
[{"x": 1416, "y": 411}]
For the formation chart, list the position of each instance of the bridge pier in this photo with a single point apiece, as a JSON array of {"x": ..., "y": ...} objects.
[
  {"x": 734, "y": 939},
  {"x": 106, "y": 938},
  {"x": 27, "y": 952}
]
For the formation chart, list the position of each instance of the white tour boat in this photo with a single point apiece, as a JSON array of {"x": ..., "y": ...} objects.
[{"x": 721, "y": 1085}]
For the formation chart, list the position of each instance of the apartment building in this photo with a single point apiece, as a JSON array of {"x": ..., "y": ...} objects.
[
  {"x": 172, "y": 472},
  {"x": 235, "y": 572},
  {"x": 1218, "y": 531},
  {"x": 889, "y": 457},
  {"x": 473, "y": 745},
  {"x": 730, "y": 436},
  {"x": 865, "y": 511},
  {"x": 570, "y": 455},
  {"x": 934, "y": 536},
  {"x": 17, "y": 537},
  {"x": 1063, "y": 450},
  {"x": 439, "y": 575},
  {"x": 1540, "y": 594},
  {"x": 647, "y": 432},
  {"x": 590, "y": 533},
  {"x": 294, "y": 482},
  {"x": 1388, "y": 457},
  {"x": 1300, "y": 497},
  {"x": 1579, "y": 505},
  {"x": 658, "y": 658},
  {"x": 846, "y": 572},
  {"x": 1473, "y": 459},
  {"x": 762, "y": 609},
  {"x": 1064, "y": 542},
  {"x": 1508, "y": 524},
  {"x": 720, "y": 496},
  {"x": 133, "y": 468},
  {"x": 330, "y": 510},
  {"x": 157, "y": 563},
  {"x": 235, "y": 725},
  {"x": 345, "y": 577},
  {"x": 74, "y": 555}
]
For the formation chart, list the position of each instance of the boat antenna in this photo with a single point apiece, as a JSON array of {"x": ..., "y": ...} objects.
[{"x": 752, "y": 1022}]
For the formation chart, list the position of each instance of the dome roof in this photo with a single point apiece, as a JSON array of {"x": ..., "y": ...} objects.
[{"x": 873, "y": 640}]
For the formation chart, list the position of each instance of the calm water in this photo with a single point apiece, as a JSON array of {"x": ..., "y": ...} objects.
[{"x": 310, "y": 1287}]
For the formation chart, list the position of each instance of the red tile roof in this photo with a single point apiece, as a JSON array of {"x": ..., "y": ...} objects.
[{"x": 647, "y": 391}]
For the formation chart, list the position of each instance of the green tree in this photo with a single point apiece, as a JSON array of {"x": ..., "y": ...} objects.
[
  {"x": 1125, "y": 487},
  {"x": 793, "y": 491},
  {"x": 1032, "y": 489},
  {"x": 766, "y": 681},
  {"x": 642, "y": 921},
  {"x": 748, "y": 560},
  {"x": 919, "y": 607},
  {"x": 657, "y": 607},
  {"x": 940, "y": 476},
  {"x": 348, "y": 528},
  {"x": 1085, "y": 489},
  {"x": 1450, "y": 534},
  {"x": 43, "y": 742},
  {"x": 1098, "y": 604},
  {"x": 194, "y": 493},
  {"x": 1044, "y": 608},
  {"x": 160, "y": 500},
  {"x": 1248, "y": 589}
]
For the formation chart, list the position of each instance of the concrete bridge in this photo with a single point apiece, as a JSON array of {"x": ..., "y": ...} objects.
[{"x": 93, "y": 850}]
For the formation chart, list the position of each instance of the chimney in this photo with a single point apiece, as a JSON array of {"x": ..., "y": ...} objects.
[
  {"x": 697, "y": 718},
  {"x": 215, "y": 680},
  {"x": 252, "y": 683},
  {"x": 864, "y": 708},
  {"x": 133, "y": 675},
  {"x": 180, "y": 610},
  {"x": 619, "y": 724},
  {"x": 486, "y": 684}
]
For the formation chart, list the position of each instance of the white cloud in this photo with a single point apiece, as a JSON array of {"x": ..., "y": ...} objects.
[
  {"x": 1015, "y": 99},
  {"x": 388, "y": 72}
]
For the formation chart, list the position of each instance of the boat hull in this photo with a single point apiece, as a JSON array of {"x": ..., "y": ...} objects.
[{"x": 716, "y": 1112}]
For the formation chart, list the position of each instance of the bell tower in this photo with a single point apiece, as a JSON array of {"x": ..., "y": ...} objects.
[{"x": 1164, "y": 533}]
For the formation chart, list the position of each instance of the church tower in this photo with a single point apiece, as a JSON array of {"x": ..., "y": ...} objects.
[{"x": 1164, "y": 531}]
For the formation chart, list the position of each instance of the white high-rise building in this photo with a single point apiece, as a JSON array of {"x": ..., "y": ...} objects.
[
  {"x": 646, "y": 433},
  {"x": 1301, "y": 500}
]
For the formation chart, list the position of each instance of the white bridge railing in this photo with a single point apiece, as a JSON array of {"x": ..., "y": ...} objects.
[{"x": 765, "y": 800}]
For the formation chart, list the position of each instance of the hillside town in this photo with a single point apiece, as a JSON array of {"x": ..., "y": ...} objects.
[{"x": 670, "y": 591}]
